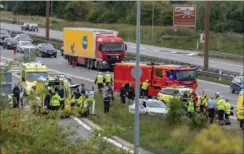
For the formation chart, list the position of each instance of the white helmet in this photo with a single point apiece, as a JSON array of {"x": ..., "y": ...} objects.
[
  {"x": 99, "y": 73},
  {"x": 107, "y": 72}
]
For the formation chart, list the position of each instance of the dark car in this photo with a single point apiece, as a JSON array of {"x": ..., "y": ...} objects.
[
  {"x": 10, "y": 43},
  {"x": 46, "y": 49},
  {"x": 23, "y": 37},
  {"x": 4, "y": 34},
  {"x": 237, "y": 84}
]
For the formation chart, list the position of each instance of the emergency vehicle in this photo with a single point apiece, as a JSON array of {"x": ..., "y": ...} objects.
[
  {"x": 30, "y": 73},
  {"x": 94, "y": 48},
  {"x": 240, "y": 108},
  {"x": 159, "y": 76}
]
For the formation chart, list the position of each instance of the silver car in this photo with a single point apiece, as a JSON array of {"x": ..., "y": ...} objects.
[
  {"x": 23, "y": 37},
  {"x": 23, "y": 46},
  {"x": 33, "y": 27}
]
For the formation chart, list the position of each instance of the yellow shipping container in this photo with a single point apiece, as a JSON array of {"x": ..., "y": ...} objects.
[{"x": 79, "y": 42}]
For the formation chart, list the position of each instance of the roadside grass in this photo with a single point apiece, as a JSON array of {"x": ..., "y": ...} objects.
[
  {"x": 225, "y": 81},
  {"x": 163, "y": 36},
  {"x": 156, "y": 135}
]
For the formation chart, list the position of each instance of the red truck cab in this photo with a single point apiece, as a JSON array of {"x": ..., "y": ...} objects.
[{"x": 159, "y": 76}]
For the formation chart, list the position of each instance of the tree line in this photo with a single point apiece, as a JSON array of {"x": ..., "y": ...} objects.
[{"x": 224, "y": 16}]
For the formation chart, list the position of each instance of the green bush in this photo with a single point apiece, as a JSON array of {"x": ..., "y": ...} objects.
[
  {"x": 198, "y": 121},
  {"x": 175, "y": 114}
]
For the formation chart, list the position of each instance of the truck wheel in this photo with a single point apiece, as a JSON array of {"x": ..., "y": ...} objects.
[{"x": 88, "y": 64}]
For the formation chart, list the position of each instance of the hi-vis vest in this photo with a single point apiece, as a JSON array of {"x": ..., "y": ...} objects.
[
  {"x": 221, "y": 104},
  {"x": 99, "y": 79},
  {"x": 227, "y": 107},
  {"x": 144, "y": 85},
  {"x": 55, "y": 101},
  {"x": 108, "y": 78},
  {"x": 190, "y": 107}
]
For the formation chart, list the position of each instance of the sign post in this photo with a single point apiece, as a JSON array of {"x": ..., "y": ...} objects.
[
  {"x": 202, "y": 38},
  {"x": 137, "y": 85},
  {"x": 184, "y": 16}
]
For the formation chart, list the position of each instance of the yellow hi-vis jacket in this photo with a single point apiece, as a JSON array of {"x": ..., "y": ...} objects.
[
  {"x": 227, "y": 107},
  {"x": 55, "y": 101},
  {"x": 99, "y": 79},
  {"x": 80, "y": 100},
  {"x": 190, "y": 107},
  {"x": 144, "y": 85},
  {"x": 221, "y": 104},
  {"x": 108, "y": 78}
]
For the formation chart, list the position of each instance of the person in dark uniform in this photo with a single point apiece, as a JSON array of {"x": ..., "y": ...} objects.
[
  {"x": 16, "y": 95},
  {"x": 130, "y": 94},
  {"x": 106, "y": 102},
  {"x": 122, "y": 94}
]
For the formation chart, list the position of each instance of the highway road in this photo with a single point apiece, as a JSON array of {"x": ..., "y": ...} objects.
[
  {"x": 147, "y": 50},
  {"x": 82, "y": 75}
]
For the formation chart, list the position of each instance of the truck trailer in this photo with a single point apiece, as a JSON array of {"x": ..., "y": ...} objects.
[
  {"x": 159, "y": 76},
  {"x": 95, "y": 48}
]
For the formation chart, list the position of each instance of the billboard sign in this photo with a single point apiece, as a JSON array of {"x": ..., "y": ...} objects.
[{"x": 184, "y": 16}]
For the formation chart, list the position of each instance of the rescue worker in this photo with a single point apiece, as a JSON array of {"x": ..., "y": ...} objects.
[
  {"x": 217, "y": 97},
  {"x": 144, "y": 88},
  {"x": 21, "y": 95},
  {"x": 190, "y": 108},
  {"x": 81, "y": 89},
  {"x": 122, "y": 94},
  {"x": 47, "y": 99},
  {"x": 203, "y": 100},
  {"x": 106, "y": 102},
  {"x": 108, "y": 79},
  {"x": 80, "y": 100},
  {"x": 211, "y": 109},
  {"x": 221, "y": 110},
  {"x": 55, "y": 101},
  {"x": 99, "y": 81},
  {"x": 71, "y": 100},
  {"x": 185, "y": 100},
  {"x": 16, "y": 96},
  {"x": 110, "y": 91},
  {"x": 227, "y": 111},
  {"x": 85, "y": 106}
]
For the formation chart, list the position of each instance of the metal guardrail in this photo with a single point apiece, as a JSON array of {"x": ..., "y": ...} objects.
[{"x": 217, "y": 73}]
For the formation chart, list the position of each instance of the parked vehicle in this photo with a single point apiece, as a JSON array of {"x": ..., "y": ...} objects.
[
  {"x": 95, "y": 48},
  {"x": 25, "y": 26},
  {"x": 23, "y": 37},
  {"x": 150, "y": 106},
  {"x": 33, "y": 27},
  {"x": 166, "y": 94},
  {"x": 237, "y": 84},
  {"x": 46, "y": 49},
  {"x": 10, "y": 43},
  {"x": 23, "y": 46},
  {"x": 159, "y": 76},
  {"x": 4, "y": 34}
]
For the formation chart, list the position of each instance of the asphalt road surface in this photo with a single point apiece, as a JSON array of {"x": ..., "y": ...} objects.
[{"x": 166, "y": 53}]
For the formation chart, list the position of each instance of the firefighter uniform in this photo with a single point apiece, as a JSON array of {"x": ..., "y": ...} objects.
[
  {"x": 99, "y": 81},
  {"x": 227, "y": 111},
  {"x": 221, "y": 109},
  {"x": 55, "y": 102},
  {"x": 144, "y": 88}
]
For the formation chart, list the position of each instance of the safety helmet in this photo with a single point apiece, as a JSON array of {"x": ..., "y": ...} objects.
[
  {"x": 107, "y": 72},
  {"x": 147, "y": 80},
  {"x": 99, "y": 73},
  {"x": 217, "y": 94}
]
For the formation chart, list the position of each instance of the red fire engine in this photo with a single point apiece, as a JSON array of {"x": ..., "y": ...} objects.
[{"x": 159, "y": 76}]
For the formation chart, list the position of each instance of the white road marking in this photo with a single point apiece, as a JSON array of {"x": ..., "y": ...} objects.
[
  {"x": 192, "y": 54},
  {"x": 211, "y": 91},
  {"x": 218, "y": 84}
]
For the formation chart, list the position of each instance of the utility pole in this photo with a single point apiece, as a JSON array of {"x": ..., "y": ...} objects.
[
  {"x": 206, "y": 31},
  {"x": 137, "y": 86},
  {"x": 152, "y": 21},
  {"x": 47, "y": 18}
]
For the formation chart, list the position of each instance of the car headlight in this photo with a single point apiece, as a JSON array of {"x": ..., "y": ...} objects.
[
  {"x": 104, "y": 62},
  {"x": 8, "y": 43}
]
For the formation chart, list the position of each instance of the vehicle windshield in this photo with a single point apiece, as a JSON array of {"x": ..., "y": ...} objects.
[
  {"x": 113, "y": 47},
  {"x": 13, "y": 41},
  {"x": 26, "y": 43},
  {"x": 47, "y": 46},
  {"x": 6, "y": 88},
  {"x": 186, "y": 75},
  {"x": 33, "y": 76},
  {"x": 155, "y": 105}
]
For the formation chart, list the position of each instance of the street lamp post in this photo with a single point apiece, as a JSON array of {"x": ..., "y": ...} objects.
[{"x": 137, "y": 77}]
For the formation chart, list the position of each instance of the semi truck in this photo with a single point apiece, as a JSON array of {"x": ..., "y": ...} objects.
[
  {"x": 94, "y": 48},
  {"x": 159, "y": 76}
]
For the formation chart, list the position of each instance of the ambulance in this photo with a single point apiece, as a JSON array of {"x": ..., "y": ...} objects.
[
  {"x": 240, "y": 108},
  {"x": 30, "y": 73},
  {"x": 159, "y": 76}
]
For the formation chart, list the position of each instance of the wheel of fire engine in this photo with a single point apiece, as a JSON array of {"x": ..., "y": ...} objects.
[{"x": 91, "y": 64}]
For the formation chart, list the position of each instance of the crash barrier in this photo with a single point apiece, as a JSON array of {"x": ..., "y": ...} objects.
[{"x": 217, "y": 73}]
